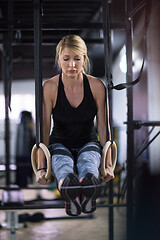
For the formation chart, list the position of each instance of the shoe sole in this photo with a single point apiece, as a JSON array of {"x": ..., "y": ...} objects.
[
  {"x": 70, "y": 190},
  {"x": 90, "y": 191}
]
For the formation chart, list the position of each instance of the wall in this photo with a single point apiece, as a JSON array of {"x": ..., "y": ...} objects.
[{"x": 153, "y": 71}]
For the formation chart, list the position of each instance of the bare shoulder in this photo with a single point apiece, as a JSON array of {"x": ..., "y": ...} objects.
[
  {"x": 97, "y": 85},
  {"x": 50, "y": 89},
  {"x": 51, "y": 84}
]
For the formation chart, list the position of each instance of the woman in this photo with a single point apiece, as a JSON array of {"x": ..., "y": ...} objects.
[{"x": 74, "y": 98}]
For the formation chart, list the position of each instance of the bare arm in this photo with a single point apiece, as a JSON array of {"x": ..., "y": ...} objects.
[
  {"x": 99, "y": 93},
  {"x": 101, "y": 115},
  {"x": 49, "y": 88},
  {"x": 102, "y": 106},
  {"x": 47, "y": 108}
]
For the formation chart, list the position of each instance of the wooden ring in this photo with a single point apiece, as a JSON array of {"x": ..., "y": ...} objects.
[
  {"x": 47, "y": 155},
  {"x": 104, "y": 153}
]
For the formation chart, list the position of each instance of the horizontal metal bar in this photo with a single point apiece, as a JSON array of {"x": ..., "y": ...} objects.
[
  {"x": 29, "y": 60},
  {"x": 151, "y": 123},
  {"x": 27, "y": 188},
  {"x": 53, "y": 42},
  {"x": 32, "y": 44},
  {"x": 86, "y": 216},
  {"x": 138, "y": 123},
  {"x": 18, "y": 1},
  {"x": 62, "y": 26},
  {"x": 111, "y": 205},
  {"x": 31, "y": 187},
  {"x": 53, "y": 206}
]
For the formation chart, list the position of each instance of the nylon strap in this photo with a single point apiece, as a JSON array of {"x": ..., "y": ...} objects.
[
  {"x": 122, "y": 86},
  {"x": 107, "y": 65}
]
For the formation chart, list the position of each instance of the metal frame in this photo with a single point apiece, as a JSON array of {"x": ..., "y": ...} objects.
[
  {"x": 129, "y": 12},
  {"x": 7, "y": 67}
]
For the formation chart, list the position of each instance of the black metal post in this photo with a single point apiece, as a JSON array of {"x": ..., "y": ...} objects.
[
  {"x": 7, "y": 76},
  {"x": 107, "y": 59},
  {"x": 7, "y": 122},
  {"x": 130, "y": 127},
  {"x": 38, "y": 69}
]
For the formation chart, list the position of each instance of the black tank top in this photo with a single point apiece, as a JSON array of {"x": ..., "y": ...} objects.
[{"x": 74, "y": 127}]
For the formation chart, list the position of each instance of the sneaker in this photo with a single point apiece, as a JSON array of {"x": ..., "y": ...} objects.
[
  {"x": 70, "y": 191},
  {"x": 90, "y": 191}
]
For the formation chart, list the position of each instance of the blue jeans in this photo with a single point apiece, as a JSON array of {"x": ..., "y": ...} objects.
[{"x": 80, "y": 161}]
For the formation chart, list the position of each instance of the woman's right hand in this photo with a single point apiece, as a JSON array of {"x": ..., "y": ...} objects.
[{"x": 40, "y": 177}]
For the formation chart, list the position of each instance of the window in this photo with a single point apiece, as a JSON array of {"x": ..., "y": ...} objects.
[{"x": 19, "y": 103}]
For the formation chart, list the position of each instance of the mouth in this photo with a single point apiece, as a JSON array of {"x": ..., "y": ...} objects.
[{"x": 72, "y": 71}]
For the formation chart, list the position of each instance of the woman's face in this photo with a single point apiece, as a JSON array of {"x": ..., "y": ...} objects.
[{"x": 70, "y": 62}]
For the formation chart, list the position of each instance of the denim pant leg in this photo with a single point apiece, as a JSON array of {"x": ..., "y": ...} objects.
[
  {"x": 88, "y": 160},
  {"x": 62, "y": 161}
]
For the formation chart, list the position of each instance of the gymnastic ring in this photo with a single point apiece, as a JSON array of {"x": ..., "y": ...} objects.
[
  {"x": 104, "y": 153},
  {"x": 47, "y": 155}
]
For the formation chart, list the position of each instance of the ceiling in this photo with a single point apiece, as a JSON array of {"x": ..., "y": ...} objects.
[{"x": 60, "y": 18}]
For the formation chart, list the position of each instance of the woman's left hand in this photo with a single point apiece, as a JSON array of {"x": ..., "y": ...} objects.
[
  {"x": 108, "y": 167},
  {"x": 109, "y": 176},
  {"x": 40, "y": 178}
]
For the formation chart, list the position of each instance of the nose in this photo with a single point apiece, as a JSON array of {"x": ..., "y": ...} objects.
[{"x": 72, "y": 63}]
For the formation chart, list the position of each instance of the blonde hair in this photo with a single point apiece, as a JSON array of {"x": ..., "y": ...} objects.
[{"x": 77, "y": 44}]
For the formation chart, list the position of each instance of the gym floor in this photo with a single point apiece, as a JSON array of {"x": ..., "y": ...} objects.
[{"x": 95, "y": 228}]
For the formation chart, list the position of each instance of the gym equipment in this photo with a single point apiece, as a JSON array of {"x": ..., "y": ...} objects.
[
  {"x": 47, "y": 155},
  {"x": 106, "y": 147},
  {"x": 12, "y": 202},
  {"x": 24, "y": 144},
  {"x": 12, "y": 199}
]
